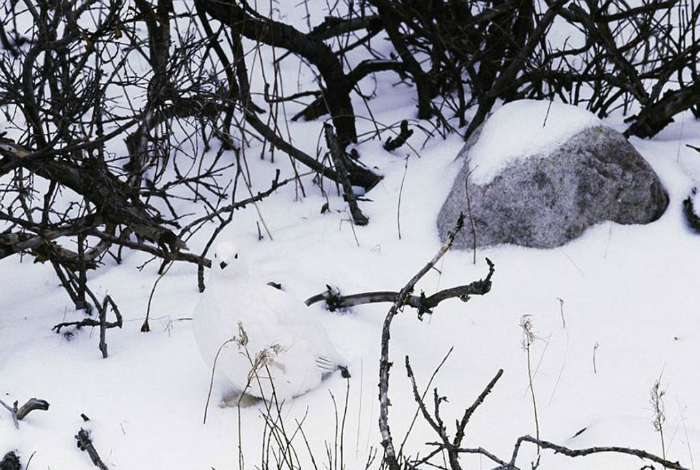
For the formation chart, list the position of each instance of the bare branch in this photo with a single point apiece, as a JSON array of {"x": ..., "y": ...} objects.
[
  {"x": 85, "y": 444},
  {"x": 339, "y": 159},
  {"x": 590, "y": 451},
  {"x": 10, "y": 461},
  {"x": 31, "y": 405},
  {"x": 19, "y": 413},
  {"x": 390, "y": 455},
  {"x": 422, "y": 303}
]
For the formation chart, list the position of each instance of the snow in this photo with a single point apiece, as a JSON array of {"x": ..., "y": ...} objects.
[
  {"x": 613, "y": 312},
  {"x": 522, "y": 129},
  {"x": 629, "y": 289}
]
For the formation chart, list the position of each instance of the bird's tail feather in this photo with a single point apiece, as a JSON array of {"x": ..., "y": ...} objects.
[{"x": 328, "y": 366}]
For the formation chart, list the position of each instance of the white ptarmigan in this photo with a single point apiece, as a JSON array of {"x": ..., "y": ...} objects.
[{"x": 266, "y": 339}]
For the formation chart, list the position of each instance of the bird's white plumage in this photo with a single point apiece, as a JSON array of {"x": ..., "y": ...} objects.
[{"x": 265, "y": 338}]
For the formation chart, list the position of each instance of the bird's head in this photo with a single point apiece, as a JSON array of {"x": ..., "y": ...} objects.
[{"x": 227, "y": 259}]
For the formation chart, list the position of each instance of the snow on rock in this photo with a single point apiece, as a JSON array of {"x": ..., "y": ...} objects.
[
  {"x": 521, "y": 129},
  {"x": 596, "y": 175}
]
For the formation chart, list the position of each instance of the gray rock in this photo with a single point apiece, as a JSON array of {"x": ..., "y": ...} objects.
[{"x": 546, "y": 201}]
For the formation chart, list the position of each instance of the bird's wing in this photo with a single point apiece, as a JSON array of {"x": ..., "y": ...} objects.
[{"x": 290, "y": 309}]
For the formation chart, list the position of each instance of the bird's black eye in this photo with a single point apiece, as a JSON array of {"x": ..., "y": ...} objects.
[
  {"x": 235, "y": 256},
  {"x": 223, "y": 264}
]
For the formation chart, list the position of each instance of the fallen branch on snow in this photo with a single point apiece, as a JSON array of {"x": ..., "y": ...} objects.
[
  {"x": 18, "y": 414},
  {"x": 642, "y": 454},
  {"x": 85, "y": 443},
  {"x": 10, "y": 462},
  {"x": 339, "y": 160},
  {"x": 334, "y": 300},
  {"x": 101, "y": 322},
  {"x": 689, "y": 211}
]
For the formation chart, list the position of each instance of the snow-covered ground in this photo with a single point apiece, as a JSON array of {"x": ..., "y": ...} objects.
[{"x": 613, "y": 312}]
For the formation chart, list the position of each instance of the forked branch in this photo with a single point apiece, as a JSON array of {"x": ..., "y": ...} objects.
[
  {"x": 19, "y": 413},
  {"x": 334, "y": 300},
  {"x": 642, "y": 454},
  {"x": 390, "y": 455}
]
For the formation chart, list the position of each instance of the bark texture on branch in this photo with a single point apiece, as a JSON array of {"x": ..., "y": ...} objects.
[
  {"x": 506, "y": 77},
  {"x": 359, "y": 176},
  {"x": 85, "y": 444},
  {"x": 656, "y": 116},
  {"x": 642, "y": 454},
  {"x": 19, "y": 413},
  {"x": 689, "y": 211},
  {"x": 437, "y": 424},
  {"x": 276, "y": 34},
  {"x": 341, "y": 161},
  {"x": 334, "y": 300},
  {"x": 10, "y": 462},
  {"x": 31, "y": 405},
  {"x": 388, "y": 12},
  {"x": 114, "y": 200},
  {"x": 391, "y": 457}
]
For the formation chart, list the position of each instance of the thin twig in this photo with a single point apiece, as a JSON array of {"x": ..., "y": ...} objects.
[
  {"x": 13, "y": 412},
  {"x": 422, "y": 397},
  {"x": 146, "y": 327},
  {"x": 398, "y": 205},
  {"x": 211, "y": 380},
  {"x": 527, "y": 341},
  {"x": 470, "y": 411},
  {"x": 471, "y": 217}
]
